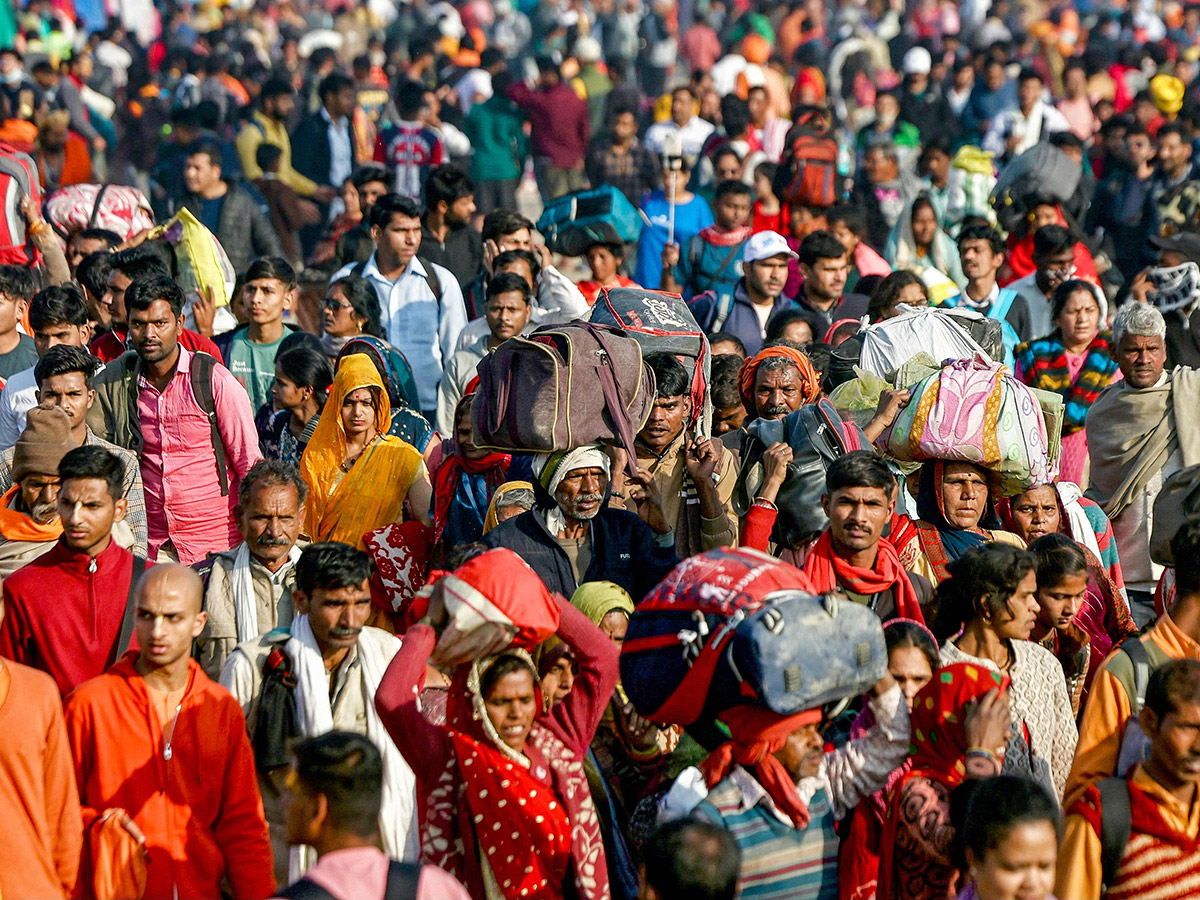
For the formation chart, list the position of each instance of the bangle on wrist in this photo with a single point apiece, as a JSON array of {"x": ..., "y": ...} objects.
[
  {"x": 618, "y": 494},
  {"x": 765, "y": 504},
  {"x": 981, "y": 751}
]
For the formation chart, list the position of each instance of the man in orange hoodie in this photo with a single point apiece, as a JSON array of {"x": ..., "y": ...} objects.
[{"x": 156, "y": 740}]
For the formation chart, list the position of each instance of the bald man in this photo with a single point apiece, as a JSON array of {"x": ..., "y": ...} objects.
[{"x": 161, "y": 752}]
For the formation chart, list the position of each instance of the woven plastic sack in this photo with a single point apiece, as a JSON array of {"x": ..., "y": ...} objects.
[
  {"x": 974, "y": 411},
  {"x": 199, "y": 256}
]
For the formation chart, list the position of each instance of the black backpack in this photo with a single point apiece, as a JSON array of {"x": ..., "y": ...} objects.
[{"x": 402, "y": 882}]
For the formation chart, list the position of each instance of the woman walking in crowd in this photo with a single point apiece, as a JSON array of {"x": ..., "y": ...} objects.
[
  {"x": 987, "y": 611},
  {"x": 1075, "y": 361},
  {"x": 359, "y": 478},
  {"x": 917, "y": 243},
  {"x": 956, "y": 512},
  {"x": 303, "y": 377},
  {"x": 350, "y": 309},
  {"x": 508, "y": 810},
  {"x": 913, "y": 662},
  {"x": 899, "y": 287},
  {"x": 960, "y": 726}
]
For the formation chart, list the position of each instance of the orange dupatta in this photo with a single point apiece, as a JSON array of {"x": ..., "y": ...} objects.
[{"x": 373, "y": 492}]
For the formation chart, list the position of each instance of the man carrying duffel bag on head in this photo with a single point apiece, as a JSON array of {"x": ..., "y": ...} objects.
[{"x": 757, "y": 781}]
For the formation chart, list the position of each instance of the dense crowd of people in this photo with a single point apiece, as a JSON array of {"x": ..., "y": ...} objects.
[{"x": 311, "y": 592}]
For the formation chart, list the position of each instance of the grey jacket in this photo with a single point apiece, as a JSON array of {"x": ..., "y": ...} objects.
[{"x": 243, "y": 229}]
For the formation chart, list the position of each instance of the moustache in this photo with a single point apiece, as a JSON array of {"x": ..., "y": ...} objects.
[
  {"x": 345, "y": 632},
  {"x": 779, "y": 410},
  {"x": 273, "y": 542},
  {"x": 44, "y": 513}
]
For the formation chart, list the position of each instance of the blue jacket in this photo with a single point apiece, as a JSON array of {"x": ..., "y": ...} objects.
[{"x": 741, "y": 320}]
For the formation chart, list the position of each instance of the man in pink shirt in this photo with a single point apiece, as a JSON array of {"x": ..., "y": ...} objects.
[
  {"x": 334, "y": 794},
  {"x": 186, "y": 417}
]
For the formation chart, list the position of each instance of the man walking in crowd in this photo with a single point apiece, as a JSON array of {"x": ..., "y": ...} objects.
[
  {"x": 157, "y": 705},
  {"x": 58, "y": 315},
  {"x": 335, "y": 662},
  {"x": 187, "y": 418},
  {"x": 268, "y": 125},
  {"x": 1140, "y": 431},
  {"x": 335, "y": 793},
  {"x": 447, "y": 237},
  {"x": 227, "y": 210},
  {"x": 268, "y": 291},
  {"x": 29, "y": 523},
  {"x": 64, "y": 376},
  {"x": 67, "y": 612},
  {"x": 559, "y": 130},
  {"x": 16, "y": 349},
  {"x": 824, "y": 268},
  {"x": 248, "y": 590},
  {"x": 693, "y": 477},
  {"x": 574, "y": 536},
  {"x": 40, "y": 855},
  {"x": 420, "y": 303}
]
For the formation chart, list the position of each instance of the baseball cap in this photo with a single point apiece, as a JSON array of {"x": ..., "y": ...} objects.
[
  {"x": 766, "y": 244},
  {"x": 1186, "y": 243}
]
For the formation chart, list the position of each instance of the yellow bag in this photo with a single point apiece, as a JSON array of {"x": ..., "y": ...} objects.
[{"x": 199, "y": 257}]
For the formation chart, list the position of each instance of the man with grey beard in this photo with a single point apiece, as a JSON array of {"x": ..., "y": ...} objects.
[
  {"x": 29, "y": 523},
  {"x": 573, "y": 536},
  {"x": 248, "y": 589}
]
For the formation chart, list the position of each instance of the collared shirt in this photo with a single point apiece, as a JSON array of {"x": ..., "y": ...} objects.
[
  {"x": 179, "y": 471},
  {"x": 341, "y": 154},
  {"x": 691, "y": 136},
  {"x": 422, "y": 327},
  {"x": 361, "y": 873}
]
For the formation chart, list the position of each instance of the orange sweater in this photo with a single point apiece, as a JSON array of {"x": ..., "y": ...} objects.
[
  {"x": 39, "y": 807},
  {"x": 200, "y": 810}
]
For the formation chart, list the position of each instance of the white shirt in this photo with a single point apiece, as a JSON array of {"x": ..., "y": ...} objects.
[
  {"x": 18, "y": 397},
  {"x": 341, "y": 156},
  {"x": 691, "y": 136},
  {"x": 422, "y": 327},
  {"x": 1042, "y": 121},
  {"x": 556, "y": 301}
]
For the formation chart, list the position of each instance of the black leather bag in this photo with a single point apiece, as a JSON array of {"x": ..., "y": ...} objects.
[{"x": 817, "y": 436}]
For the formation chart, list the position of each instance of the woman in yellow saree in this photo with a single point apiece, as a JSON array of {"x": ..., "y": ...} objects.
[{"x": 359, "y": 478}]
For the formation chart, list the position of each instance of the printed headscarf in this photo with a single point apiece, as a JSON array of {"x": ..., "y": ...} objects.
[{"x": 810, "y": 382}]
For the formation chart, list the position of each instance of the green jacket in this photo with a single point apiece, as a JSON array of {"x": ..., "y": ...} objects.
[
  {"x": 114, "y": 415},
  {"x": 498, "y": 141}
]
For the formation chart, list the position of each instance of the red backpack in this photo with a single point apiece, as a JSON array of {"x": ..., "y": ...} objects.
[
  {"x": 675, "y": 662},
  {"x": 18, "y": 180},
  {"x": 809, "y": 173}
]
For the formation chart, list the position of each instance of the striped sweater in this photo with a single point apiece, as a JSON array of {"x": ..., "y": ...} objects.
[{"x": 779, "y": 862}]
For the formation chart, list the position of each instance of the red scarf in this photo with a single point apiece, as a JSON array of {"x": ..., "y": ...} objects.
[
  {"x": 827, "y": 570},
  {"x": 719, "y": 237},
  {"x": 445, "y": 482},
  {"x": 755, "y": 735}
]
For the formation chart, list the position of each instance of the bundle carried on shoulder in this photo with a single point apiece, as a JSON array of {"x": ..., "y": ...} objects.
[
  {"x": 117, "y": 208},
  {"x": 663, "y": 323},
  {"x": 944, "y": 334},
  {"x": 973, "y": 410},
  {"x": 817, "y": 435},
  {"x": 735, "y": 626},
  {"x": 562, "y": 387}
]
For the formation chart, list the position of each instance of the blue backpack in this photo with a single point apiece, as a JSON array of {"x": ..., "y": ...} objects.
[{"x": 602, "y": 215}]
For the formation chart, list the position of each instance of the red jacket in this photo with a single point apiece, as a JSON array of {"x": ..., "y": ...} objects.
[
  {"x": 62, "y": 618},
  {"x": 200, "y": 810}
]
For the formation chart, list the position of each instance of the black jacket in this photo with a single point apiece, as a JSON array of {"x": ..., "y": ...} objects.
[
  {"x": 624, "y": 552},
  {"x": 242, "y": 228},
  {"x": 311, "y": 156}
]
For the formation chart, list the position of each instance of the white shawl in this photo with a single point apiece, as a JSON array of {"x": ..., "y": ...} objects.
[
  {"x": 397, "y": 819},
  {"x": 245, "y": 607}
]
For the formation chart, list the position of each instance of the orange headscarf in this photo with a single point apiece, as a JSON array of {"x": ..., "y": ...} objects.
[
  {"x": 755, "y": 735},
  {"x": 810, "y": 382}
]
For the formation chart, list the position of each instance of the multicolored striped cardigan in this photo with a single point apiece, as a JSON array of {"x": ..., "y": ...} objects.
[{"x": 1043, "y": 365}]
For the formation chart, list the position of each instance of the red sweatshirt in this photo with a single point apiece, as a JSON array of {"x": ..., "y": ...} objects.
[
  {"x": 62, "y": 614},
  {"x": 200, "y": 810}
]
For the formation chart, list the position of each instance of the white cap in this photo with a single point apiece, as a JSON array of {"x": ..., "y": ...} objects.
[
  {"x": 917, "y": 61},
  {"x": 587, "y": 49},
  {"x": 766, "y": 244}
]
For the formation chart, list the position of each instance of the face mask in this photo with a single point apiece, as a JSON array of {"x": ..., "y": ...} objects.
[{"x": 12, "y": 77}]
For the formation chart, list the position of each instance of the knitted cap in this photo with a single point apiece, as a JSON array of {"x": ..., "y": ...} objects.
[{"x": 42, "y": 445}]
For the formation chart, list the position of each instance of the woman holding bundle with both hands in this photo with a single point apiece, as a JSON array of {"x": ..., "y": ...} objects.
[{"x": 507, "y": 805}]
